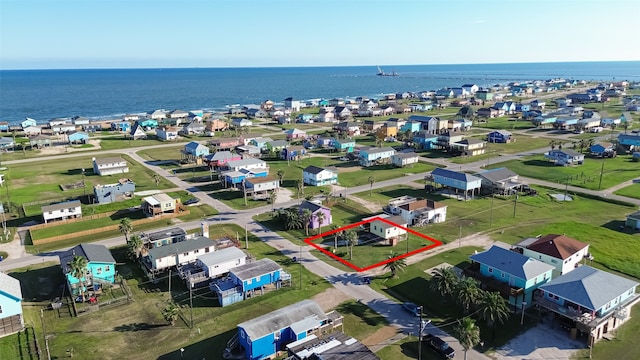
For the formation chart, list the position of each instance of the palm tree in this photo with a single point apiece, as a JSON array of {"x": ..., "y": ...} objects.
[
  {"x": 292, "y": 219},
  {"x": 273, "y": 196},
  {"x": 493, "y": 309},
  {"x": 300, "y": 186},
  {"x": 395, "y": 265},
  {"x": 468, "y": 333},
  {"x": 125, "y": 228},
  {"x": 136, "y": 246},
  {"x": 78, "y": 269},
  {"x": 372, "y": 179},
  {"x": 156, "y": 179},
  {"x": 280, "y": 176},
  {"x": 307, "y": 215},
  {"x": 467, "y": 293},
  {"x": 170, "y": 313},
  {"x": 321, "y": 217},
  {"x": 444, "y": 281},
  {"x": 336, "y": 234},
  {"x": 351, "y": 236}
]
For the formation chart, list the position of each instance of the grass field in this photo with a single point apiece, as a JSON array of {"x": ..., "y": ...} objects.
[
  {"x": 493, "y": 151},
  {"x": 136, "y": 329},
  {"x": 587, "y": 175},
  {"x": 41, "y": 180},
  {"x": 632, "y": 191},
  {"x": 160, "y": 154}
]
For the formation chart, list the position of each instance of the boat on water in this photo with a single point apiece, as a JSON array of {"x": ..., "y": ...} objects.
[{"x": 382, "y": 73}]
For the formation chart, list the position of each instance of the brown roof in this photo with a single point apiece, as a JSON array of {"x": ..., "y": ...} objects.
[
  {"x": 260, "y": 180},
  {"x": 557, "y": 246},
  {"x": 421, "y": 204}
]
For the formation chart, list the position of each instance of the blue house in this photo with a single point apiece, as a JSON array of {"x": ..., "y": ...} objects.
[
  {"x": 247, "y": 280},
  {"x": 28, "y": 122},
  {"x": 630, "y": 141},
  {"x": 195, "y": 149},
  {"x": 235, "y": 177},
  {"x": 425, "y": 139},
  {"x": 412, "y": 126},
  {"x": 499, "y": 136},
  {"x": 11, "y": 320},
  {"x": 101, "y": 266},
  {"x": 457, "y": 180},
  {"x": 4, "y": 126},
  {"x": 343, "y": 144},
  {"x": 122, "y": 126},
  {"x": 124, "y": 189},
  {"x": 266, "y": 335},
  {"x": 373, "y": 156},
  {"x": 304, "y": 118},
  {"x": 512, "y": 274},
  {"x": 78, "y": 137},
  {"x": 292, "y": 152},
  {"x": 523, "y": 108},
  {"x": 594, "y": 301},
  {"x": 260, "y": 142}
]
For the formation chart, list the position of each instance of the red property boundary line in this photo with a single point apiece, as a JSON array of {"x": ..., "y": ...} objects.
[{"x": 434, "y": 243}]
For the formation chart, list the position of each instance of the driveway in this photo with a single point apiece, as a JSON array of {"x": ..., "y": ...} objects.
[{"x": 540, "y": 342}]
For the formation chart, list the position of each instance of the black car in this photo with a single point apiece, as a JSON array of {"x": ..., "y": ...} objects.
[
  {"x": 440, "y": 346},
  {"x": 191, "y": 201}
]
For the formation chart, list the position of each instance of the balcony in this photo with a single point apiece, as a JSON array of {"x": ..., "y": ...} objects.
[{"x": 493, "y": 284}]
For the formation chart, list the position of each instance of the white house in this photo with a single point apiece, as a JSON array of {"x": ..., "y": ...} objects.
[
  {"x": 11, "y": 320},
  {"x": 179, "y": 253},
  {"x": 32, "y": 130},
  {"x": 167, "y": 133},
  {"x": 418, "y": 211},
  {"x": 219, "y": 262},
  {"x": 390, "y": 230},
  {"x": 248, "y": 163},
  {"x": 110, "y": 166},
  {"x": 240, "y": 122},
  {"x": 260, "y": 187},
  {"x": 564, "y": 253},
  {"x": 62, "y": 211},
  {"x": 317, "y": 176},
  {"x": 404, "y": 159}
]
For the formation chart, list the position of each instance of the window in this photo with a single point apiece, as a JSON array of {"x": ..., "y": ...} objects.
[
  {"x": 197, "y": 251},
  {"x": 0, "y": 309},
  {"x": 206, "y": 249},
  {"x": 248, "y": 281},
  {"x": 99, "y": 271},
  {"x": 186, "y": 254},
  {"x": 276, "y": 335},
  {"x": 503, "y": 276},
  {"x": 491, "y": 270},
  {"x": 107, "y": 268}
]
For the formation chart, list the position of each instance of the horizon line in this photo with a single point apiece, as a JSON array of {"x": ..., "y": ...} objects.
[{"x": 311, "y": 66}]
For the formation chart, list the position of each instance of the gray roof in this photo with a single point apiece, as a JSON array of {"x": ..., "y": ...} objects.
[
  {"x": 282, "y": 318},
  {"x": 405, "y": 155},
  {"x": 91, "y": 252},
  {"x": 110, "y": 160},
  {"x": 374, "y": 150},
  {"x": 220, "y": 256},
  {"x": 223, "y": 155},
  {"x": 60, "y": 206},
  {"x": 10, "y": 286},
  {"x": 455, "y": 175},
  {"x": 278, "y": 143},
  {"x": 181, "y": 247},
  {"x": 589, "y": 287},
  {"x": 499, "y": 174},
  {"x": 311, "y": 206},
  {"x": 511, "y": 262},
  {"x": 244, "y": 162},
  {"x": 255, "y": 269},
  {"x": 169, "y": 233}
]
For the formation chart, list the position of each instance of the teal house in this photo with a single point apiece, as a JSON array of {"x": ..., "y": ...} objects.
[
  {"x": 148, "y": 124},
  {"x": 512, "y": 274},
  {"x": 101, "y": 266},
  {"x": 11, "y": 320},
  {"x": 343, "y": 144}
]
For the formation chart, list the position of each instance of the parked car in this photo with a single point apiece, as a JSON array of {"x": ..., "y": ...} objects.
[
  {"x": 191, "y": 201},
  {"x": 440, "y": 346},
  {"x": 411, "y": 308}
]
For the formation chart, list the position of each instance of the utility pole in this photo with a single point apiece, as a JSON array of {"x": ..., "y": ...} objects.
[
  {"x": 515, "y": 203},
  {"x": 420, "y": 334},
  {"x": 601, "y": 173},
  {"x": 169, "y": 283},
  {"x": 566, "y": 188},
  {"x": 246, "y": 237},
  {"x": 460, "y": 235},
  {"x": 191, "y": 301},
  {"x": 300, "y": 263},
  {"x": 491, "y": 213}
]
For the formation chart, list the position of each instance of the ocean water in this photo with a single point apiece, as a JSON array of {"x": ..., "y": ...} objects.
[{"x": 109, "y": 93}]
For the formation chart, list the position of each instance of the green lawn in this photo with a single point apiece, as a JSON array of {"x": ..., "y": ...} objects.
[
  {"x": 494, "y": 150},
  {"x": 632, "y": 191},
  {"x": 504, "y": 123},
  {"x": 380, "y": 173},
  {"x": 19, "y": 346},
  {"x": 195, "y": 212},
  {"x": 160, "y": 154},
  {"x": 532, "y": 213},
  {"x": 359, "y": 320},
  {"x": 587, "y": 175},
  {"x": 113, "y": 143},
  {"x": 41, "y": 180},
  {"x": 136, "y": 329}
]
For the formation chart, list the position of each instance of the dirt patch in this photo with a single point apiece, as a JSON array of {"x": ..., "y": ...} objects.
[
  {"x": 284, "y": 195},
  {"x": 61, "y": 149},
  {"x": 349, "y": 169},
  {"x": 380, "y": 335},
  {"x": 330, "y": 298}
]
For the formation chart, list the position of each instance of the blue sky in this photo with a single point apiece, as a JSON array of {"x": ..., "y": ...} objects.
[{"x": 40, "y": 34}]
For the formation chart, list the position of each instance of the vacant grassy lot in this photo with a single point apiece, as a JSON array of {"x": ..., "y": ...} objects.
[
  {"x": 494, "y": 150},
  {"x": 495, "y": 215},
  {"x": 360, "y": 176},
  {"x": 195, "y": 212},
  {"x": 587, "y": 175},
  {"x": 113, "y": 143},
  {"x": 160, "y": 154},
  {"x": 136, "y": 330},
  {"x": 632, "y": 191},
  {"x": 41, "y": 180}
]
